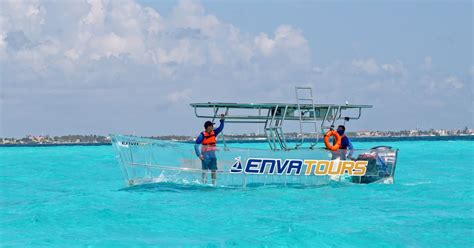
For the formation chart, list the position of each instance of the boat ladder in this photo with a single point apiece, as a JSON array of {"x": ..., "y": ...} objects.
[{"x": 304, "y": 96}]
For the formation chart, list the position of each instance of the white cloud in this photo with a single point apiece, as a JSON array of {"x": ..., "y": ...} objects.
[
  {"x": 178, "y": 96},
  {"x": 441, "y": 86},
  {"x": 265, "y": 44},
  {"x": 287, "y": 40},
  {"x": 83, "y": 53},
  {"x": 101, "y": 29},
  {"x": 368, "y": 66},
  {"x": 96, "y": 14},
  {"x": 27, "y": 16},
  {"x": 87, "y": 54},
  {"x": 189, "y": 14},
  {"x": 453, "y": 82},
  {"x": 71, "y": 54},
  {"x": 371, "y": 67},
  {"x": 396, "y": 68}
]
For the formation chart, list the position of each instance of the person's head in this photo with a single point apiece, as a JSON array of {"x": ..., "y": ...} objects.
[
  {"x": 209, "y": 126},
  {"x": 341, "y": 129}
]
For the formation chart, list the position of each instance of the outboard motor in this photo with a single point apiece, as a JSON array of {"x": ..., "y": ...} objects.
[{"x": 380, "y": 166}]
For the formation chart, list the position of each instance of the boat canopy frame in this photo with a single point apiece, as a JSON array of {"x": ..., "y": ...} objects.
[{"x": 273, "y": 116}]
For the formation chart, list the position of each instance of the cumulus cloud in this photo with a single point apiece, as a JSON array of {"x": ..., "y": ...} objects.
[
  {"x": 128, "y": 31},
  {"x": 434, "y": 85},
  {"x": 91, "y": 51},
  {"x": 395, "y": 90},
  {"x": 368, "y": 66},
  {"x": 395, "y": 68},
  {"x": 287, "y": 39},
  {"x": 453, "y": 82},
  {"x": 371, "y": 67},
  {"x": 101, "y": 65}
]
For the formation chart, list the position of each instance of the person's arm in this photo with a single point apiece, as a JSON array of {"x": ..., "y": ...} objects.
[
  {"x": 218, "y": 130},
  {"x": 199, "y": 140}
]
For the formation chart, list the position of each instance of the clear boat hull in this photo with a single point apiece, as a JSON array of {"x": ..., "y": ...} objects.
[{"x": 144, "y": 161}]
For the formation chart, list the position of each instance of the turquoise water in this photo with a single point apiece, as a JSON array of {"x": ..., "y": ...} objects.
[{"x": 72, "y": 197}]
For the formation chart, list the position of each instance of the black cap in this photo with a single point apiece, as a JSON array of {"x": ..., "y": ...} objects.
[{"x": 208, "y": 123}]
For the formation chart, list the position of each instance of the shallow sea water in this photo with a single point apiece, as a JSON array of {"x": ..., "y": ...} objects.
[{"x": 74, "y": 197}]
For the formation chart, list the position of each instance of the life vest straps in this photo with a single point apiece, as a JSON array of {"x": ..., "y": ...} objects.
[{"x": 209, "y": 141}]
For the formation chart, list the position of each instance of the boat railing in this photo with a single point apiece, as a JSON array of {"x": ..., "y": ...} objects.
[{"x": 145, "y": 158}]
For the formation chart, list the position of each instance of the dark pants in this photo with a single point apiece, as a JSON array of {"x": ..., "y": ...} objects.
[{"x": 209, "y": 163}]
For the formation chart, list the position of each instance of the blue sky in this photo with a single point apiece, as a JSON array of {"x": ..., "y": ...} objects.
[{"x": 134, "y": 66}]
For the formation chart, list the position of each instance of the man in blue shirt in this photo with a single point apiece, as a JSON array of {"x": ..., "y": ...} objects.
[
  {"x": 345, "y": 143},
  {"x": 207, "y": 153}
]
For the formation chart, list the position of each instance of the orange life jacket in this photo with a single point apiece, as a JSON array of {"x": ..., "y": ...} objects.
[{"x": 209, "y": 142}]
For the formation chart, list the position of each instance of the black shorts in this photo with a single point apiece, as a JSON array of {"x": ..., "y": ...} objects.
[{"x": 209, "y": 164}]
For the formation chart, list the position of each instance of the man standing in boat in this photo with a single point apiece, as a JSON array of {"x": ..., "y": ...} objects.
[
  {"x": 345, "y": 143},
  {"x": 207, "y": 153}
]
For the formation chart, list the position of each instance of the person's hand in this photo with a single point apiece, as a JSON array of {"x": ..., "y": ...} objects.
[
  {"x": 222, "y": 116},
  {"x": 201, "y": 157}
]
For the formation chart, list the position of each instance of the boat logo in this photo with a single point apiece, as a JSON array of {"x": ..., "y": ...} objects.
[
  {"x": 237, "y": 166},
  {"x": 299, "y": 167}
]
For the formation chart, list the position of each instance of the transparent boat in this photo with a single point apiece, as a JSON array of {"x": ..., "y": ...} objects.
[{"x": 144, "y": 160}]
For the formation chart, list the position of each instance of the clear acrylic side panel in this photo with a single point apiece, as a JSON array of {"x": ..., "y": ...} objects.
[{"x": 147, "y": 160}]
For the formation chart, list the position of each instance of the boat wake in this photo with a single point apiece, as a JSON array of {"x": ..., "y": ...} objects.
[{"x": 171, "y": 184}]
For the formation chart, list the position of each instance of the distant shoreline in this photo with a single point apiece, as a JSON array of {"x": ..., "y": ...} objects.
[{"x": 356, "y": 139}]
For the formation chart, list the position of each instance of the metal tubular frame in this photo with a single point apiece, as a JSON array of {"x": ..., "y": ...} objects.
[
  {"x": 278, "y": 113},
  {"x": 274, "y": 128}
]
